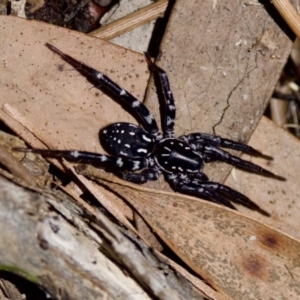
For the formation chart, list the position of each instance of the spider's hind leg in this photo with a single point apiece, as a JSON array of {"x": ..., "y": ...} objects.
[
  {"x": 212, "y": 191},
  {"x": 189, "y": 186},
  {"x": 232, "y": 194}
]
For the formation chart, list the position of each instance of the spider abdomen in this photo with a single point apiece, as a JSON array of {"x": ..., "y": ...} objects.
[
  {"x": 176, "y": 156},
  {"x": 126, "y": 139}
]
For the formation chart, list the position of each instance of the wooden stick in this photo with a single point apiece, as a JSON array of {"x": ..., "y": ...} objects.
[
  {"x": 131, "y": 21},
  {"x": 16, "y": 167},
  {"x": 289, "y": 14}
]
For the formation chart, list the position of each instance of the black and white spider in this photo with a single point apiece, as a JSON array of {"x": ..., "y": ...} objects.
[{"x": 152, "y": 153}]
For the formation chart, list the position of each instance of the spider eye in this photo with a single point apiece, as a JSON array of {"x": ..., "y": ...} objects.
[{"x": 125, "y": 139}]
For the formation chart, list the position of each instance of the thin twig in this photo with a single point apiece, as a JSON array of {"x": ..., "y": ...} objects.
[
  {"x": 15, "y": 167},
  {"x": 131, "y": 21},
  {"x": 289, "y": 14}
]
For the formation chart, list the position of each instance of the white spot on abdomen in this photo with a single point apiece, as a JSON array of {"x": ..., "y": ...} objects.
[{"x": 142, "y": 150}]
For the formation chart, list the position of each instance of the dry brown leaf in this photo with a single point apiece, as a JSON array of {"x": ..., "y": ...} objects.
[
  {"x": 279, "y": 198},
  {"x": 46, "y": 102},
  {"x": 223, "y": 60},
  {"x": 237, "y": 255},
  {"x": 65, "y": 111}
]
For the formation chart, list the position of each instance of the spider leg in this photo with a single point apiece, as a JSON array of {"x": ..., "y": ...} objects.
[
  {"x": 232, "y": 194},
  {"x": 212, "y": 153},
  {"x": 142, "y": 177},
  {"x": 186, "y": 186},
  {"x": 217, "y": 141},
  {"x": 214, "y": 191},
  {"x": 168, "y": 126},
  {"x": 104, "y": 82},
  {"x": 200, "y": 176},
  {"x": 92, "y": 158}
]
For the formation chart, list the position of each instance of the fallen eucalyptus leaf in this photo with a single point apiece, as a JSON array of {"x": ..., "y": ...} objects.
[
  {"x": 237, "y": 255},
  {"x": 45, "y": 101}
]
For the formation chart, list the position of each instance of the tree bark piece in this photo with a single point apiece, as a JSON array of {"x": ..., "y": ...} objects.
[
  {"x": 46, "y": 249},
  {"x": 50, "y": 244}
]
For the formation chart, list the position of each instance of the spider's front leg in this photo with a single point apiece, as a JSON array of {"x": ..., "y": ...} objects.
[
  {"x": 170, "y": 109},
  {"x": 104, "y": 161},
  {"x": 101, "y": 81},
  {"x": 212, "y": 191}
]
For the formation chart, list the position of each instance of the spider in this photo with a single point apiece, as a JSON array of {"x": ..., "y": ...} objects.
[{"x": 152, "y": 153}]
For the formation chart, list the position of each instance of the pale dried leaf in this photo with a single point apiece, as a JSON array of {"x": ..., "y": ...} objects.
[
  {"x": 235, "y": 254},
  {"x": 47, "y": 103},
  {"x": 279, "y": 198},
  {"x": 69, "y": 112}
]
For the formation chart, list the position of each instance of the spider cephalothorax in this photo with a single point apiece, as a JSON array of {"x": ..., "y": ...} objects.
[{"x": 151, "y": 153}]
